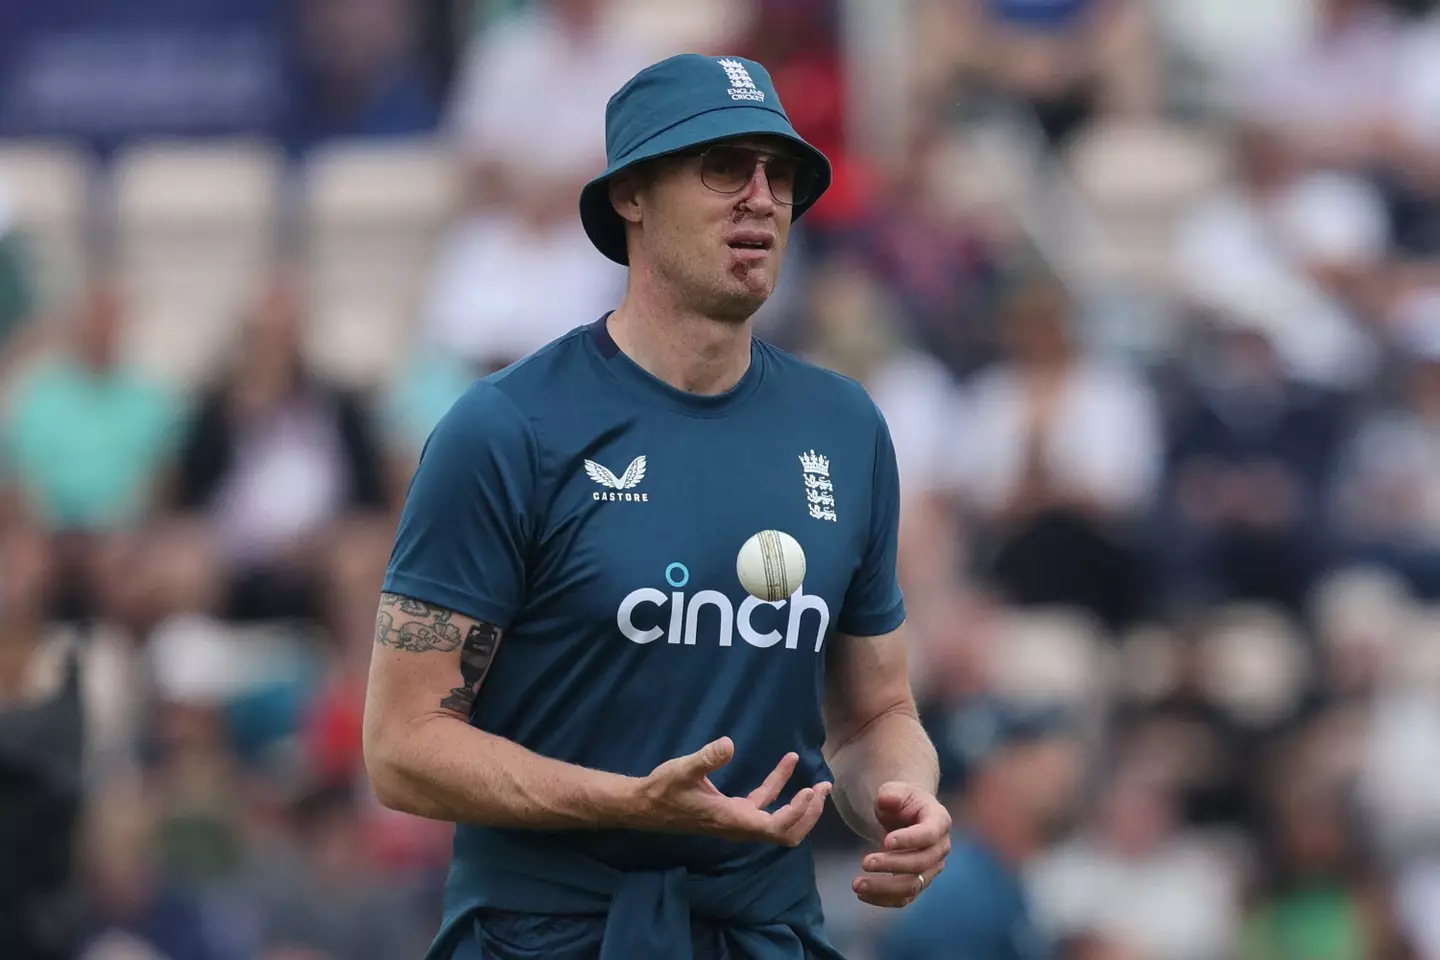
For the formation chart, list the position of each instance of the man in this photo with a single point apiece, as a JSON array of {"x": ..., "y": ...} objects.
[
  {"x": 42, "y": 748},
  {"x": 650, "y": 748},
  {"x": 1020, "y": 770}
]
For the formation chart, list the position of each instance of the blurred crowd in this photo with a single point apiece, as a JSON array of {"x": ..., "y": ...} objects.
[{"x": 1149, "y": 293}]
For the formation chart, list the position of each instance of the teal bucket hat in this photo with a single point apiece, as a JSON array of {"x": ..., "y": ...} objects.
[{"x": 679, "y": 103}]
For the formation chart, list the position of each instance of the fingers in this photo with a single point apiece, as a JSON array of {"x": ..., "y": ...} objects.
[
  {"x": 926, "y": 825},
  {"x": 709, "y": 758},
  {"x": 802, "y": 827},
  {"x": 918, "y": 861},
  {"x": 922, "y": 836},
  {"x": 788, "y": 818},
  {"x": 892, "y": 891},
  {"x": 787, "y": 826},
  {"x": 765, "y": 794},
  {"x": 894, "y": 805}
]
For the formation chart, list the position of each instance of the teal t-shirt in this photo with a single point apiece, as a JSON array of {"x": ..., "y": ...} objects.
[
  {"x": 85, "y": 449},
  {"x": 596, "y": 513}
]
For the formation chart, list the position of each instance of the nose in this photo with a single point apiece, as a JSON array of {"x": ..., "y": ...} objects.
[{"x": 757, "y": 197}]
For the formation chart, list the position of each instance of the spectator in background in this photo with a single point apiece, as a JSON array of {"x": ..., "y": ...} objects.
[
  {"x": 35, "y": 652},
  {"x": 276, "y": 461},
  {"x": 1413, "y": 141},
  {"x": 528, "y": 119},
  {"x": 87, "y": 436},
  {"x": 325, "y": 899},
  {"x": 42, "y": 744},
  {"x": 1249, "y": 461},
  {"x": 1331, "y": 94},
  {"x": 1320, "y": 897},
  {"x": 1387, "y": 493},
  {"x": 939, "y": 263},
  {"x": 359, "y": 74},
  {"x": 84, "y": 444},
  {"x": 1021, "y": 775},
  {"x": 854, "y": 331},
  {"x": 1296, "y": 253},
  {"x": 1063, "y": 459},
  {"x": 132, "y": 908},
  {"x": 1212, "y": 756},
  {"x": 1063, "y": 62},
  {"x": 1135, "y": 878}
]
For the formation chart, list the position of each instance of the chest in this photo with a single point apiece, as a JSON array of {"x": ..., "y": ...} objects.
[
  {"x": 65, "y": 424},
  {"x": 647, "y": 519}
]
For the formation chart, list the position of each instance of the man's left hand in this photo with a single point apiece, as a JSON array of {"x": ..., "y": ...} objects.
[{"x": 917, "y": 841}]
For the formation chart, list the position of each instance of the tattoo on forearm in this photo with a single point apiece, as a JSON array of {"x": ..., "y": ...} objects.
[
  {"x": 425, "y": 628},
  {"x": 475, "y": 658}
]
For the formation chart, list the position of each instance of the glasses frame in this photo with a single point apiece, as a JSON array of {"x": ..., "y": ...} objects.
[{"x": 802, "y": 166}]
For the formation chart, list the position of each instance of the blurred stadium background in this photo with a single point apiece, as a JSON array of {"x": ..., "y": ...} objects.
[{"x": 1149, "y": 291}]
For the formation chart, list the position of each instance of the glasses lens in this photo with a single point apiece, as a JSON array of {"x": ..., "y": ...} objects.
[
  {"x": 727, "y": 169},
  {"x": 804, "y": 181},
  {"x": 730, "y": 170}
]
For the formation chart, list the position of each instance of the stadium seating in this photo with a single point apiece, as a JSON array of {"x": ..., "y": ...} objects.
[
  {"x": 1049, "y": 658},
  {"x": 1136, "y": 180},
  {"x": 372, "y": 217},
  {"x": 49, "y": 185},
  {"x": 198, "y": 227}
]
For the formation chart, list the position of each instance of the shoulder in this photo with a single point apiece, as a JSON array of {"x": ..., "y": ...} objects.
[
  {"x": 528, "y": 385},
  {"x": 484, "y": 416},
  {"x": 508, "y": 404},
  {"x": 816, "y": 385},
  {"x": 47, "y": 373}
]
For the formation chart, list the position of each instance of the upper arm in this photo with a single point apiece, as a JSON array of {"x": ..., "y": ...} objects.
[
  {"x": 463, "y": 537},
  {"x": 457, "y": 572},
  {"x": 867, "y": 672},
  {"x": 427, "y": 659},
  {"x": 866, "y": 678},
  {"x": 874, "y": 604}
]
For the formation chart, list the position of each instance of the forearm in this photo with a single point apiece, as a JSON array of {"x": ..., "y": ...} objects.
[
  {"x": 442, "y": 768},
  {"x": 892, "y": 748}
]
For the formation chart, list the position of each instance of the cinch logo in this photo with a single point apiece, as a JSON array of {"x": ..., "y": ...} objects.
[{"x": 683, "y": 623}]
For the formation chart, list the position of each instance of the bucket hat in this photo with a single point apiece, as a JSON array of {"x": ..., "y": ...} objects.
[{"x": 683, "y": 102}]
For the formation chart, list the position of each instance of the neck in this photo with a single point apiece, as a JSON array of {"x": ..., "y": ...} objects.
[{"x": 684, "y": 348}]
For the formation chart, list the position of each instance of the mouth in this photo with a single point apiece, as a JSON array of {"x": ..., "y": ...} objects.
[{"x": 751, "y": 245}]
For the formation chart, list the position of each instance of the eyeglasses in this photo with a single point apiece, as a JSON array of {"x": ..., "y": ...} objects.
[{"x": 729, "y": 170}]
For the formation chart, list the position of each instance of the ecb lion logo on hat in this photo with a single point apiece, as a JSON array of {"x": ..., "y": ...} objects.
[{"x": 742, "y": 85}]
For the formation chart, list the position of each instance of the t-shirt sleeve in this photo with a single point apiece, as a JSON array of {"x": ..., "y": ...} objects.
[
  {"x": 874, "y": 604},
  {"x": 463, "y": 534}
]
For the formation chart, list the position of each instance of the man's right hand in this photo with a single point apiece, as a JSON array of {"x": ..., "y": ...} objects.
[{"x": 678, "y": 796}]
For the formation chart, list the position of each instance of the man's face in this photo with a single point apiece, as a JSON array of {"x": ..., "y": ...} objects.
[{"x": 712, "y": 226}]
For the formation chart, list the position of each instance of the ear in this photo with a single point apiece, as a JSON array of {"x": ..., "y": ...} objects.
[{"x": 625, "y": 196}]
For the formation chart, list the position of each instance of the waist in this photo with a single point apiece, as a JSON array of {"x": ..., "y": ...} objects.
[
  {"x": 538, "y": 873},
  {"x": 535, "y": 872}
]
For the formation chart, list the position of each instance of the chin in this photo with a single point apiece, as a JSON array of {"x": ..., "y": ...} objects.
[{"x": 741, "y": 303}]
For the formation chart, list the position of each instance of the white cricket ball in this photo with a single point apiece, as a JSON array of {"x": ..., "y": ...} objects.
[{"x": 771, "y": 565}]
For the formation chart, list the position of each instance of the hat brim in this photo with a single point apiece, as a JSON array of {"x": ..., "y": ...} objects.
[{"x": 605, "y": 227}]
